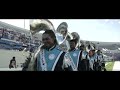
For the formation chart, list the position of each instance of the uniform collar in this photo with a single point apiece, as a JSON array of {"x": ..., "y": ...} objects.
[{"x": 51, "y": 48}]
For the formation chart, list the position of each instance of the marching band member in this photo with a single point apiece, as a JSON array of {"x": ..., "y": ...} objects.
[
  {"x": 92, "y": 59},
  {"x": 74, "y": 55},
  {"x": 100, "y": 60},
  {"x": 50, "y": 57},
  {"x": 100, "y": 56},
  {"x": 84, "y": 64}
]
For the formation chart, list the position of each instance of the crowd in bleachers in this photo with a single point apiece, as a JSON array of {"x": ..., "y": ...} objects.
[
  {"x": 12, "y": 35},
  {"x": 16, "y": 37}
]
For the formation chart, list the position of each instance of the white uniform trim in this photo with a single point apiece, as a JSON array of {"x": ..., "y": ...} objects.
[
  {"x": 72, "y": 63},
  {"x": 56, "y": 60},
  {"x": 43, "y": 61},
  {"x": 78, "y": 58}
]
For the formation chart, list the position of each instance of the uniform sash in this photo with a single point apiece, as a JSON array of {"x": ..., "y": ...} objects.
[
  {"x": 43, "y": 61},
  {"x": 56, "y": 60},
  {"x": 70, "y": 60}
]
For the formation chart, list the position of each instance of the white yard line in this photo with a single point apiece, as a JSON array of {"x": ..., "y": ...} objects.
[
  {"x": 106, "y": 64},
  {"x": 12, "y": 69},
  {"x": 116, "y": 66}
]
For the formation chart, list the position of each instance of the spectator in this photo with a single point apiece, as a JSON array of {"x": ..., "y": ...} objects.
[{"x": 12, "y": 63}]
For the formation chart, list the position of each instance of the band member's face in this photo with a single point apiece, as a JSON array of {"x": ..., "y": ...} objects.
[
  {"x": 63, "y": 31},
  {"x": 72, "y": 45},
  {"x": 90, "y": 53},
  {"x": 93, "y": 52},
  {"x": 98, "y": 52},
  {"x": 47, "y": 40}
]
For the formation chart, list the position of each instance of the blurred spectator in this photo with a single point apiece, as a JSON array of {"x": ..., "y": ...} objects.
[{"x": 12, "y": 63}]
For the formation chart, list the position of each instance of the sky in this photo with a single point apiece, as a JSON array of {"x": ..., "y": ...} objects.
[{"x": 105, "y": 30}]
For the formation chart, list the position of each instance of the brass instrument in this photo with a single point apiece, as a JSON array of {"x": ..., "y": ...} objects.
[
  {"x": 38, "y": 25},
  {"x": 77, "y": 37},
  {"x": 62, "y": 29}
]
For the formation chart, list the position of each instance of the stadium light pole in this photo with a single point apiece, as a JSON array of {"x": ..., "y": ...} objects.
[
  {"x": 24, "y": 23},
  {"x": 30, "y": 38}
]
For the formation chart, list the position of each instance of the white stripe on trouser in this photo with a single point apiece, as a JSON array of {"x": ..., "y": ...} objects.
[{"x": 78, "y": 58}]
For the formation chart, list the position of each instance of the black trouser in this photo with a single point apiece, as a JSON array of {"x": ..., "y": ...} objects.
[
  {"x": 98, "y": 67},
  {"x": 84, "y": 65},
  {"x": 90, "y": 69}
]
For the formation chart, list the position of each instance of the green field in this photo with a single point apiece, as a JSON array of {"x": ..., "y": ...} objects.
[
  {"x": 109, "y": 66},
  {"x": 6, "y": 56}
]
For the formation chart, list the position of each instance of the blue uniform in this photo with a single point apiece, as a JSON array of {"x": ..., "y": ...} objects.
[
  {"x": 50, "y": 60},
  {"x": 91, "y": 59},
  {"x": 83, "y": 61},
  {"x": 74, "y": 56},
  {"x": 84, "y": 54},
  {"x": 100, "y": 57}
]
